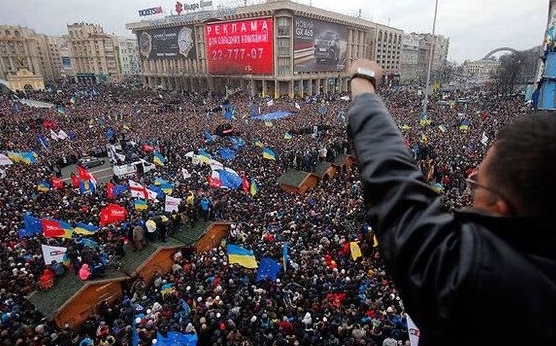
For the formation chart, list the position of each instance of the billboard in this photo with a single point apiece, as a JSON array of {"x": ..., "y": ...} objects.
[
  {"x": 176, "y": 42},
  {"x": 319, "y": 46},
  {"x": 240, "y": 47}
]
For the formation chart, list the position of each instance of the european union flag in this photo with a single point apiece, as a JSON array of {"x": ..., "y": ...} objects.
[
  {"x": 32, "y": 224},
  {"x": 268, "y": 269},
  {"x": 176, "y": 339},
  {"x": 119, "y": 189},
  {"x": 226, "y": 154},
  {"x": 230, "y": 179}
]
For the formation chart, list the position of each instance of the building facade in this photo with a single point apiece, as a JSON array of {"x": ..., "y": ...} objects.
[
  {"x": 22, "y": 48},
  {"x": 127, "y": 57},
  {"x": 416, "y": 53},
  {"x": 93, "y": 53},
  {"x": 409, "y": 59},
  {"x": 480, "y": 71},
  {"x": 275, "y": 48}
]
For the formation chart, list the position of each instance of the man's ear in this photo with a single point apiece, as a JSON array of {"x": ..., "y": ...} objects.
[{"x": 502, "y": 208}]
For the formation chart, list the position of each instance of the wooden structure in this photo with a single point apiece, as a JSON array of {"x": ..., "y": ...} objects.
[
  {"x": 298, "y": 181},
  {"x": 213, "y": 237},
  {"x": 326, "y": 170},
  {"x": 345, "y": 161},
  {"x": 71, "y": 300}
]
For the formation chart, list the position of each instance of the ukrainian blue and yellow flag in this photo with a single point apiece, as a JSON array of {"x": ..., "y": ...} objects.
[
  {"x": 269, "y": 154},
  {"x": 241, "y": 256},
  {"x": 140, "y": 204},
  {"x": 84, "y": 228},
  {"x": 159, "y": 159},
  {"x": 254, "y": 188},
  {"x": 43, "y": 186},
  {"x": 258, "y": 143},
  {"x": 15, "y": 157}
]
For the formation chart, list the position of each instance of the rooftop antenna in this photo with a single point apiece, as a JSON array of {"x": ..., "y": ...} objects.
[{"x": 388, "y": 21}]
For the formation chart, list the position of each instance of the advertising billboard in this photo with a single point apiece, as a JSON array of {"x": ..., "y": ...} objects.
[
  {"x": 240, "y": 47},
  {"x": 176, "y": 42},
  {"x": 66, "y": 63},
  {"x": 319, "y": 46}
]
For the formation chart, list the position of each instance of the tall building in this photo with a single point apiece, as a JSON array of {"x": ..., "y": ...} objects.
[
  {"x": 275, "y": 48},
  {"x": 388, "y": 50},
  {"x": 94, "y": 57},
  {"x": 23, "y": 48},
  {"x": 415, "y": 55},
  {"x": 127, "y": 54}
]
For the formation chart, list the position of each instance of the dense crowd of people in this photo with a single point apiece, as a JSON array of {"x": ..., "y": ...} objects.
[{"x": 322, "y": 296}]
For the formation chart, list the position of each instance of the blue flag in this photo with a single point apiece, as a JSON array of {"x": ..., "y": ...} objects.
[
  {"x": 134, "y": 334},
  {"x": 230, "y": 179},
  {"x": 32, "y": 225},
  {"x": 285, "y": 255},
  {"x": 268, "y": 269},
  {"x": 158, "y": 190},
  {"x": 208, "y": 137},
  {"x": 109, "y": 133},
  {"x": 43, "y": 142},
  {"x": 226, "y": 154},
  {"x": 119, "y": 189},
  {"x": 176, "y": 339}
]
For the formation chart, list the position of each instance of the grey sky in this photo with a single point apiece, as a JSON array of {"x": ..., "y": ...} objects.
[{"x": 473, "y": 26}]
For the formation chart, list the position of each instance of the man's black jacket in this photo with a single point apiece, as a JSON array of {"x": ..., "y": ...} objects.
[{"x": 467, "y": 278}]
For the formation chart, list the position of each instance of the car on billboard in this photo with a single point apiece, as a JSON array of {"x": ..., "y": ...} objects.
[{"x": 327, "y": 47}]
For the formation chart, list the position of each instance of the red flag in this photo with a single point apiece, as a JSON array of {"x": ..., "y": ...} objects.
[
  {"x": 57, "y": 183},
  {"x": 147, "y": 148},
  {"x": 74, "y": 180},
  {"x": 214, "y": 182},
  {"x": 110, "y": 190},
  {"x": 245, "y": 185},
  {"x": 83, "y": 173},
  {"x": 112, "y": 213}
]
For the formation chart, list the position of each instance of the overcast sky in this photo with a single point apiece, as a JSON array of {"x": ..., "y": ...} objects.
[{"x": 474, "y": 26}]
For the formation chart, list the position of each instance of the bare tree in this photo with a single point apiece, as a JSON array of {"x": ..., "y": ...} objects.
[{"x": 505, "y": 77}]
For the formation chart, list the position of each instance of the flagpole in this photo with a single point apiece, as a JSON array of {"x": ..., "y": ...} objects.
[{"x": 433, "y": 43}]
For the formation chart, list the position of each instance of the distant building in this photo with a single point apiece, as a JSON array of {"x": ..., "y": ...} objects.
[
  {"x": 480, "y": 71},
  {"x": 409, "y": 59},
  {"x": 273, "y": 48},
  {"x": 127, "y": 54},
  {"x": 93, "y": 53},
  {"x": 421, "y": 45},
  {"x": 22, "y": 48}
]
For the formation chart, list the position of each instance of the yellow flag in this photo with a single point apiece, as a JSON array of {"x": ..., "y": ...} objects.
[
  {"x": 355, "y": 250},
  {"x": 375, "y": 241}
]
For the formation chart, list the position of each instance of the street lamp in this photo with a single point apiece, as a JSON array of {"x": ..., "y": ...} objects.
[{"x": 425, "y": 103}]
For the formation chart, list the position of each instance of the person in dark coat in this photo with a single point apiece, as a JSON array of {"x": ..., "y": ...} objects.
[{"x": 492, "y": 267}]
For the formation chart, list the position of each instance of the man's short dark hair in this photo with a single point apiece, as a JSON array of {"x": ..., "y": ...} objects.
[{"x": 523, "y": 167}]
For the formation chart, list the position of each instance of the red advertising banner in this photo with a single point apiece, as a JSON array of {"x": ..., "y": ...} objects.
[{"x": 240, "y": 47}]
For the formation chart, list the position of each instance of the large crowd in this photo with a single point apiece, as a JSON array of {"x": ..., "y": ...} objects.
[{"x": 322, "y": 296}]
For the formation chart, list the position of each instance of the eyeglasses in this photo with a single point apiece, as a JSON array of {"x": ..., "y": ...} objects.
[{"x": 473, "y": 185}]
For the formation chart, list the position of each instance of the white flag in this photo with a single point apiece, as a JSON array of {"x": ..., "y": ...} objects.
[
  {"x": 2, "y": 174},
  {"x": 413, "y": 331},
  {"x": 151, "y": 194},
  {"x": 172, "y": 204},
  {"x": 137, "y": 190},
  {"x": 297, "y": 105},
  {"x": 62, "y": 134},
  {"x": 270, "y": 103},
  {"x": 53, "y": 253},
  {"x": 5, "y": 161},
  {"x": 484, "y": 139},
  {"x": 53, "y": 135},
  {"x": 185, "y": 174}
]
